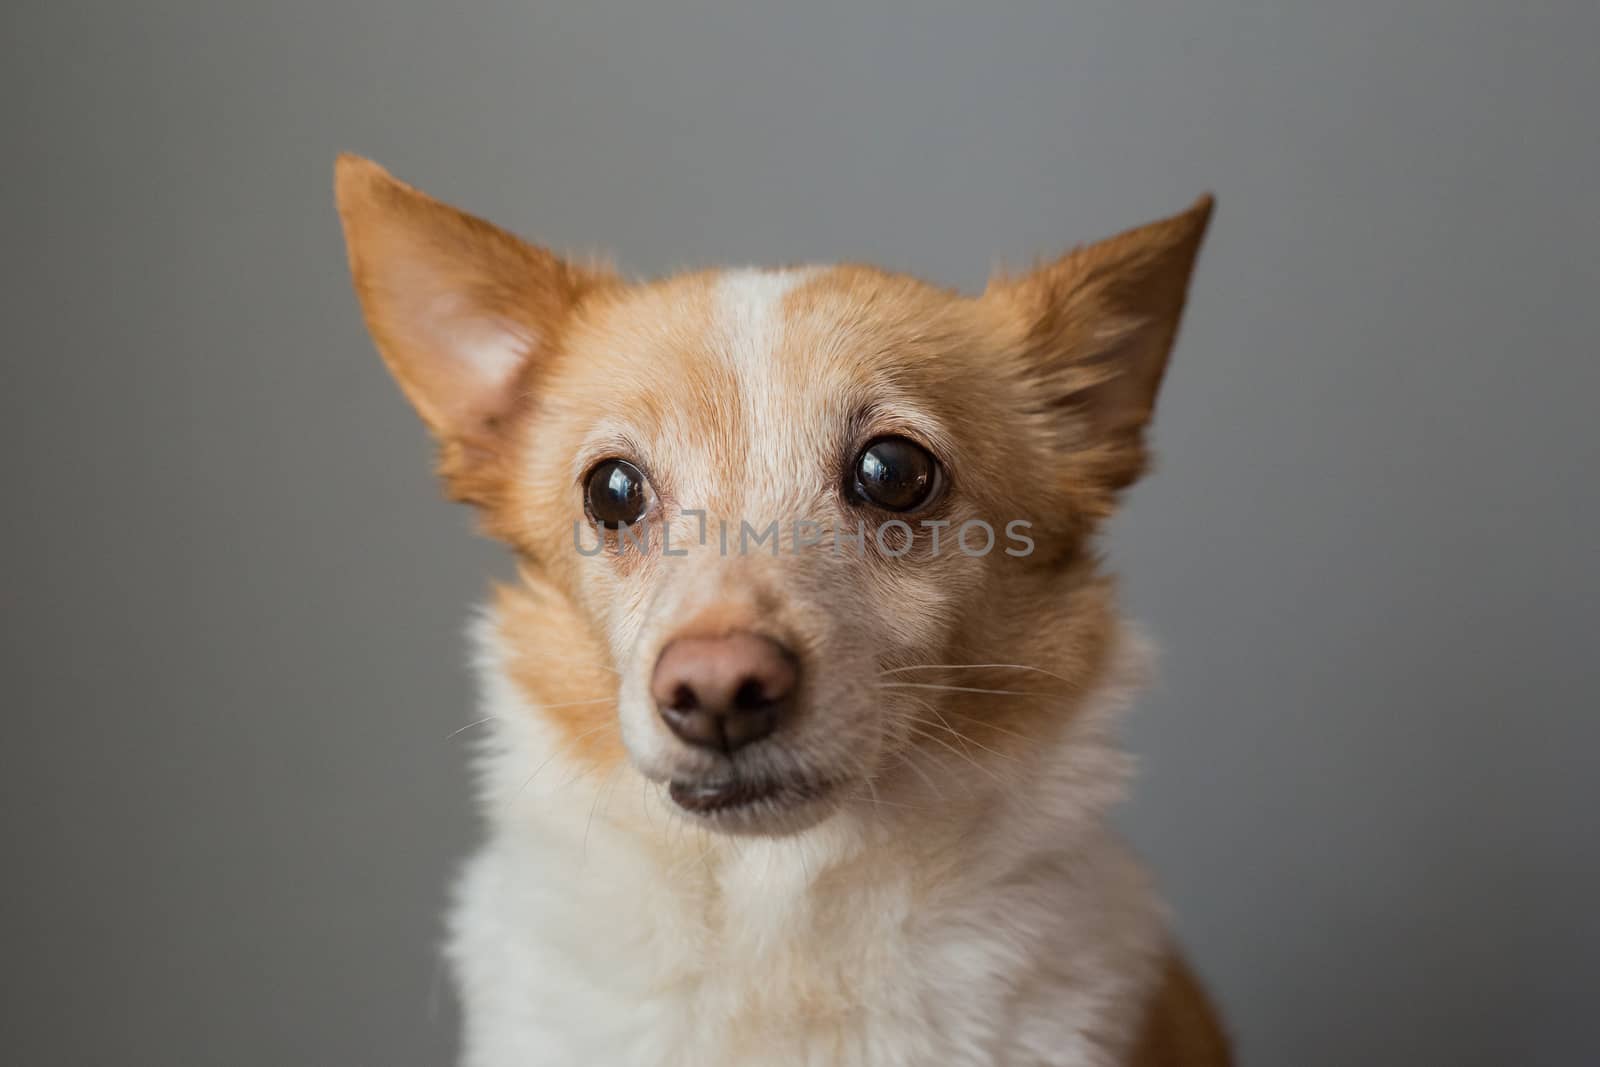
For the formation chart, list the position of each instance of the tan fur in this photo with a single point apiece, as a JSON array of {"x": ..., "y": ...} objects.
[
  {"x": 1035, "y": 397},
  {"x": 560, "y": 665},
  {"x": 1180, "y": 1027}
]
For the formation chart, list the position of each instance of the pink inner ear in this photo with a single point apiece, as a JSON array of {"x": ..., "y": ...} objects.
[
  {"x": 458, "y": 357},
  {"x": 488, "y": 346},
  {"x": 478, "y": 358},
  {"x": 455, "y": 305}
]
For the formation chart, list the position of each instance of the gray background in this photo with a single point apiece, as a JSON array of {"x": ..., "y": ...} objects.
[{"x": 233, "y": 599}]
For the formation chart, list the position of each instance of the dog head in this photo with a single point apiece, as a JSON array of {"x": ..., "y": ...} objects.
[{"x": 780, "y": 531}]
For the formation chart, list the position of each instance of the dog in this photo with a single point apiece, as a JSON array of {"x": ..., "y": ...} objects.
[{"x": 799, "y": 715}]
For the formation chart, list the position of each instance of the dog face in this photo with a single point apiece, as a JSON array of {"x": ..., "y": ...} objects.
[{"x": 781, "y": 532}]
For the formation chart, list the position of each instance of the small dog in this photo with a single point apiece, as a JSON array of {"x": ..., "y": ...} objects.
[{"x": 800, "y": 714}]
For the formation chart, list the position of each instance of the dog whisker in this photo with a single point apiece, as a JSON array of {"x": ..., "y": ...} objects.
[
  {"x": 972, "y": 667},
  {"x": 966, "y": 738},
  {"x": 561, "y": 749},
  {"x": 908, "y": 757},
  {"x": 957, "y": 688},
  {"x": 469, "y": 726},
  {"x": 965, "y": 756},
  {"x": 992, "y": 726},
  {"x": 879, "y": 802},
  {"x": 598, "y": 793},
  {"x": 490, "y": 718},
  {"x": 927, "y": 705}
]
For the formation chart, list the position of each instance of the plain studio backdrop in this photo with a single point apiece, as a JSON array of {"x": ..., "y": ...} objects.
[{"x": 234, "y": 600}]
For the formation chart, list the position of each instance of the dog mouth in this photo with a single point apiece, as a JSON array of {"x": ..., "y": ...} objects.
[{"x": 711, "y": 797}]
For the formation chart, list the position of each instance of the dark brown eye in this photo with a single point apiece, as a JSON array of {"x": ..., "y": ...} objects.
[
  {"x": 616, "y": 494},
  {"x": 896, "y": 474}
]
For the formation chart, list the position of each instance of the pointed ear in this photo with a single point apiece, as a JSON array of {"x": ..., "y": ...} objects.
[
  {"x": 457, "y": 307},
  {"x": 1098, "y": 325}
]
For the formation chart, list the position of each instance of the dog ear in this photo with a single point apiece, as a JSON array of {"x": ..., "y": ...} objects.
[
  {"x": 1098, "y": 325},
  {"x": 458, "y": 307}
]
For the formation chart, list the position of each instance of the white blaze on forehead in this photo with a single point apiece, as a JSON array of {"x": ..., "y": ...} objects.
[
  {"x": 749, "y": 312},
  {"x": 749, "y": 326}
]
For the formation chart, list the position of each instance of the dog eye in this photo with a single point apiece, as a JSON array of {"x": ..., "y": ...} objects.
[
  {"x": 616, "y": 494},
  {"x": 896, "y": 474}
]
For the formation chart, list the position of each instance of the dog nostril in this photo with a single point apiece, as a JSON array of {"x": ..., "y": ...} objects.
[
  {"x": 750, "y": 696},
  {"x": 724, "y": 692}
]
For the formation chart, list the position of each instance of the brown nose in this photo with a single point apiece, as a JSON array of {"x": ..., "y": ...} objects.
[{"x": 723, "y": 692}]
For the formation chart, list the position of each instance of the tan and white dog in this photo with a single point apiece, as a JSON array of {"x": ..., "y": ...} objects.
[{"x": 800, "y": 716}]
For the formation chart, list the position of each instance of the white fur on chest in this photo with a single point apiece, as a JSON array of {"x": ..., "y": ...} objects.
[{"x": 596, "y": 927}]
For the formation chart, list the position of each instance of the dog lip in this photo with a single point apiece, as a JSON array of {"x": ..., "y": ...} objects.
[{"x": 712, "y": 796}]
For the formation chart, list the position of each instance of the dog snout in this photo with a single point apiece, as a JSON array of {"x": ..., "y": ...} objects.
[{"x": 723, "y": 693}]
